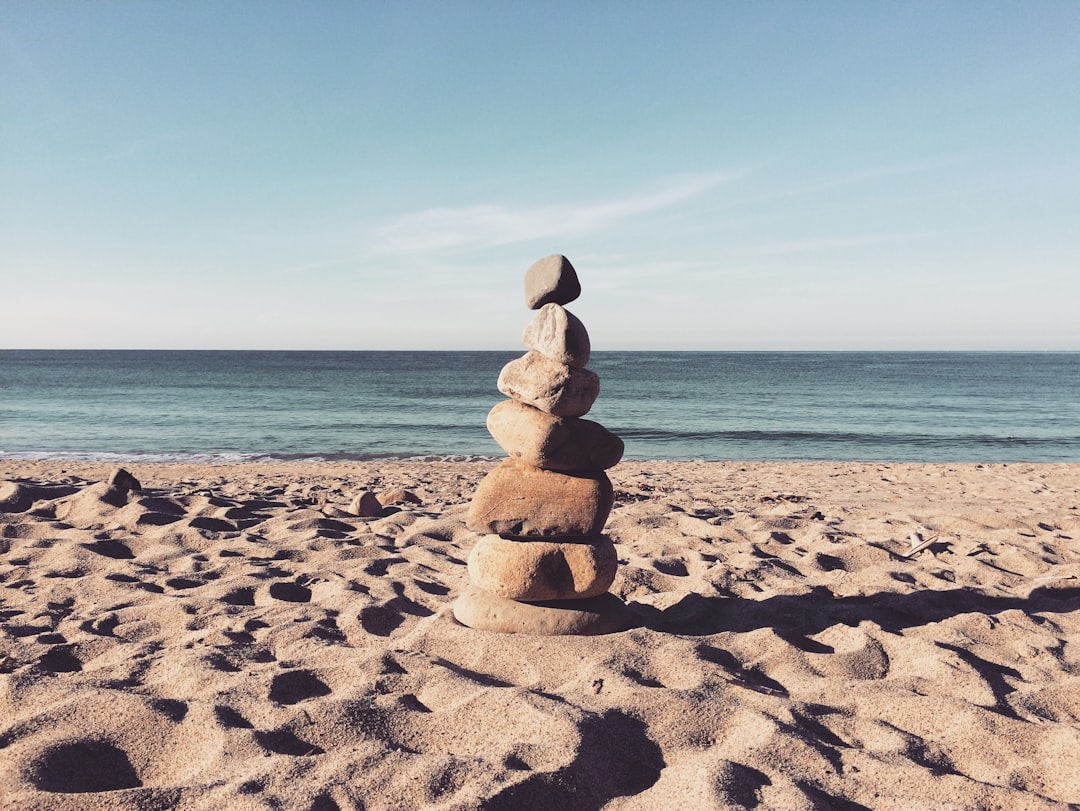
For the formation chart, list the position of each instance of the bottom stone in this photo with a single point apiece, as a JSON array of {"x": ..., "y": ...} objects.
[
  {"x": 484, "y": 611},
  {"x": 543, "y": 570}
]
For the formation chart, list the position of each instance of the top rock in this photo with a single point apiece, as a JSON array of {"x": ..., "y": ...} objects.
[{"x": 551, "y": 280}]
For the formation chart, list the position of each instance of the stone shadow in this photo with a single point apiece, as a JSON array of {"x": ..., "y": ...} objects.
[{"x": 797, "y": 617}]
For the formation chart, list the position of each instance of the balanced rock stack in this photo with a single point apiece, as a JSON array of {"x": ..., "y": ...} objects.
[{"x": 542, "y": 565}]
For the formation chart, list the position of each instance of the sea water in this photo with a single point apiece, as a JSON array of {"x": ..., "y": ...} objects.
[{"x": 747, "y": 406}]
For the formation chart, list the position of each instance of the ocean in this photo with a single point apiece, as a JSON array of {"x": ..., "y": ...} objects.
[{"x": 743, "y": 406}]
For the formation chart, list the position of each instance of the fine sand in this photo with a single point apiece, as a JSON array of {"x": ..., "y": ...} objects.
[{"x": 232, "y": 638}]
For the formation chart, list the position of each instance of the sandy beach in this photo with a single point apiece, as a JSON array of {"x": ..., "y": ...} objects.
[{"x": 232, "y": 637}]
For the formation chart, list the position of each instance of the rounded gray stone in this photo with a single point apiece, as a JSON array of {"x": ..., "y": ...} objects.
[{"x": 551, "y": 279}]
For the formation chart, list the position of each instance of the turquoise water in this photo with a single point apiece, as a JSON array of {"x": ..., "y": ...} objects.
[{"x": 879, "y": 406}]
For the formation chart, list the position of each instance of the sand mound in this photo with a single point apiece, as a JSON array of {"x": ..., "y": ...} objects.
[{"x": 233, "y": 637}]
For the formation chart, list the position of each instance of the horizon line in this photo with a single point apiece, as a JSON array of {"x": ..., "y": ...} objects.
[{"x": 1028, "y": 350}]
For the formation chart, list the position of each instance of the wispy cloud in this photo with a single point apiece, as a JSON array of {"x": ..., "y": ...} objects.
[
  {"x": 870, "y": 175},
  {"x": 487, "y": 225},
  {"x": 839, "y": 243}
]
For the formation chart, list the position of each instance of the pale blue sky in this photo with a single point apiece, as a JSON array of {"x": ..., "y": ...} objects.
[{"x": 742, "y": 175}]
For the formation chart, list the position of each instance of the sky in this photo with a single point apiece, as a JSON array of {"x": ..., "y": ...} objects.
[{"x": 380, "y": 175}]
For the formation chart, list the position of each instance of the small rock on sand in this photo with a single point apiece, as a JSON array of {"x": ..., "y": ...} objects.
[
  {"x": 366, "y": 505},
  {"x": 122, "y": 480},
  {"x": 398, "y": 495}
]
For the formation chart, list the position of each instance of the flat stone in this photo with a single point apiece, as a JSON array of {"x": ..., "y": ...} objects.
[
  {"x": 551, "y": 279},
  {"x": 479, "y": 609},
  {"x": 539, "y": 439},
  {"x": 558, "y": 334},
  {"x": 521, "y": 501},
  {"x": 549, "y": 385},
  {"x": 543, "y": 570}
]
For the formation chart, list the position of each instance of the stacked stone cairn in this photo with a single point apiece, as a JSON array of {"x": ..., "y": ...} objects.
[{"x": 541, "y": 565}]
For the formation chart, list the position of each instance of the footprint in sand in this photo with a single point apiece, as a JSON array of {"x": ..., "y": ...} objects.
[
  {"x": 294, "y": 686},
  {"x": 97, "y": 743},
  {"x": 82, "y": 766},
  {"x": 60, "y": 659},
  {"x": 283, "y": 741},
  {"x": 384, "y": 619},
  {"x": 290, "y": 592},
  {"x": 111, "y": 549}
]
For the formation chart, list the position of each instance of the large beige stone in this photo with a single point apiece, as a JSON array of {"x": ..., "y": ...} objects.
[
  {"x": 543, "y": 570},
  {"x": 484, "y": 611},
  {"x": 549, "y": 385},
  {"x": 551, "y": 279},
  {"x": 521, "y": 501},
  {"x": 559, "y": 335},
  {"x": 542, "y": 440}
]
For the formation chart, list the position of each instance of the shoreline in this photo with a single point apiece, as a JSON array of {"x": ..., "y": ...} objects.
[
  {"x": 325, "y": 466},
  {"x": 231, "y": 636}
]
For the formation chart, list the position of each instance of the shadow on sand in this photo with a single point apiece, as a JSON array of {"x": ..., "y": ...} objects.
[{"x": 796, "y": 617}]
